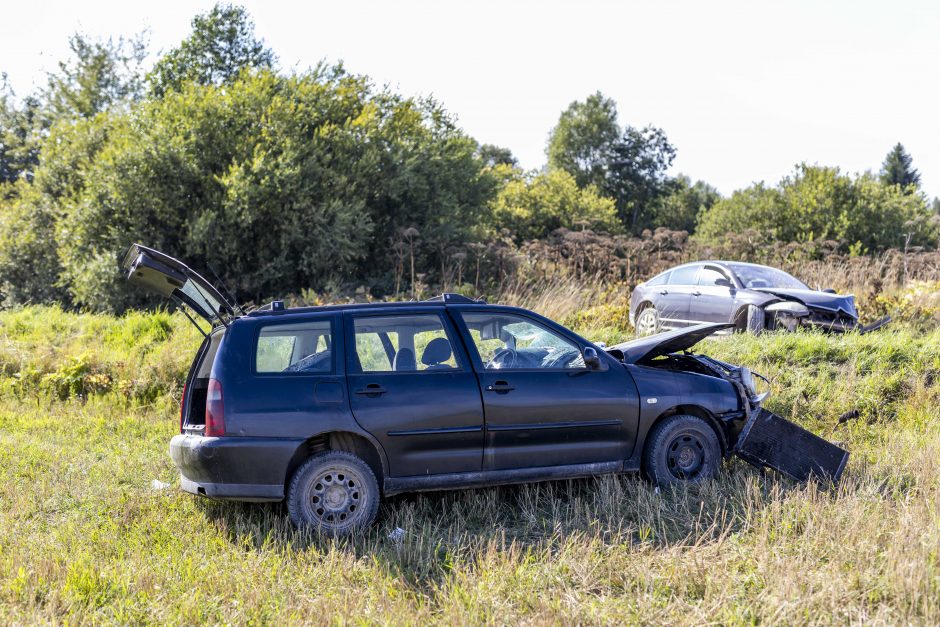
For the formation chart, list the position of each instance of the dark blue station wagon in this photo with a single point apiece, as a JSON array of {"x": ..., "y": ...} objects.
[{"x": 333, "y": 407}]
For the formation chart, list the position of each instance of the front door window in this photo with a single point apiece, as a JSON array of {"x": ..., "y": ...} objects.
[{"x": 510, "y": 342}]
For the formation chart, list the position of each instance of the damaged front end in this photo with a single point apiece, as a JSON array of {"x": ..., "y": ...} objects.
[
  {"x": 765, "y": 439},
  {"x": 814, "y": 309},
  {"x": 752, "y": 432}
]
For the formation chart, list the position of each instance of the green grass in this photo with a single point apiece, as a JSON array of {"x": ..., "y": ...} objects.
[{"x": 87, "y": 407}]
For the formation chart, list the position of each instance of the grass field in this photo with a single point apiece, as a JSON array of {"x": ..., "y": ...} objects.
[{"x": 88, "y": 405}]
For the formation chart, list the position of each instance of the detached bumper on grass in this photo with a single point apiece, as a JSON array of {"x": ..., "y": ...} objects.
[{"x": 768, "y": 440}]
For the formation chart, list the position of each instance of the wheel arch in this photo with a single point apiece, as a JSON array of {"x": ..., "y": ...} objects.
[
  {"x": 356, "y": 443},
  {"x": 646, "y": 303},
  {"x": 699, "y": 412}
]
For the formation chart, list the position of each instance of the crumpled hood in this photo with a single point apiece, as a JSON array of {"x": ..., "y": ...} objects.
[
  {"x": 674, "y": 341},
  {"x": 815, "y": 299}
]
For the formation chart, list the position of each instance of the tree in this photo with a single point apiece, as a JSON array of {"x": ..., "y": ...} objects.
[
  {"x": 531, "y": 207},
  {"x": 29, "y": 268},
  {"x": 221, "y": 45},
  {"x": 492, "y": 156},
  {"x": 99, "y": 75},
  {"x": 820, "y": 203},
  {"x": 638, "y": 173},
  {"x": 626, "y": 164},
  {"x": 582, "y": 142},
  {"x": 21, "y": 128},
  {"x": 682, "y": 205},
  {"x": 306, "y": 200},
  {"x": 898, "y": 169}
]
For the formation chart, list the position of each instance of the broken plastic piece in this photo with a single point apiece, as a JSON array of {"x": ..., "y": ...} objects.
[{"x": 772, "y": 441}]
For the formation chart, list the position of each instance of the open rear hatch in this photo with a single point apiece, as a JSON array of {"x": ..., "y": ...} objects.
[{"x": 169, "y": 277}]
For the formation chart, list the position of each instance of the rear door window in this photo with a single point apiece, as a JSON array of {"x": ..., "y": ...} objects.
[
  {"x": 303, "y": 347},
  {"x": 403, "y": 343},
  {"x": 683, "y": 276},
  {"x": 659, "y": 280}
]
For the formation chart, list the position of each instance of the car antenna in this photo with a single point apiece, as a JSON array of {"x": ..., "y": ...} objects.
[{"x": 226, "y": 288}]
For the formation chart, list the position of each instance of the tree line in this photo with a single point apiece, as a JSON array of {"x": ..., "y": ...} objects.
[{"x": 319, "y": 180}]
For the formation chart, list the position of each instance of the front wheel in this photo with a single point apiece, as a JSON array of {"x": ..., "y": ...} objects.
[
  {"x": 681, "y": 448},
  {"x": 334, "y": 493},
  {"x": 647, "y": 322}
]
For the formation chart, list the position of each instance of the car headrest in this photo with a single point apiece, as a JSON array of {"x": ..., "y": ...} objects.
[
  {"x": 436, "y": 352},
  {"x": 405, "y": 360}
]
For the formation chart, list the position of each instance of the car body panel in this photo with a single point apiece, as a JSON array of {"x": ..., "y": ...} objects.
[{"x": 674, "y": 341}]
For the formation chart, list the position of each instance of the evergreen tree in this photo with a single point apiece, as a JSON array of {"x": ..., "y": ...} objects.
[{"x": 898, "y": 169}]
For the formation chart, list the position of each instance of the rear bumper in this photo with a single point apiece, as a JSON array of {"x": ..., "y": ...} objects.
[{"x": 243, "y": 469}]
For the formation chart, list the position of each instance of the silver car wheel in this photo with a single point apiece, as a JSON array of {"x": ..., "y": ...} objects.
[{"x": 647, "y": 323}]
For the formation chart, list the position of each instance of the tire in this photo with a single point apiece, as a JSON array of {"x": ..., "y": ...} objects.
[
  {"x": 333, "y": 493},
  {"x": 681, "y": 448},
  {"x": 755, "y": 319},
  {"x": 647, "y": 321}
]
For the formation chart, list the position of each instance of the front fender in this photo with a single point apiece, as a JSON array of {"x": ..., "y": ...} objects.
[{"x": 663, "y": 391}]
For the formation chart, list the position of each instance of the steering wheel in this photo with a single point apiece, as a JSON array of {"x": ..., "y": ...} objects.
[
  {"x": 561, "y": 358},
  {"x": 504, "y": 358}
]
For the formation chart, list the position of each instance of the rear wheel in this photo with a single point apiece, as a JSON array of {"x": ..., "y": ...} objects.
[
  {"x": 334, "y": 493},
  {"x": 681, "y": 448},
  {"x": 647, "y": 322}
]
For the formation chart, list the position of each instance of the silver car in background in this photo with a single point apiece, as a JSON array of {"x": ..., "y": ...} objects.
[{"x": 751, "y": 296}]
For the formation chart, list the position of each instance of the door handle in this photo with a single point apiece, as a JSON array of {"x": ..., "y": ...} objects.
[
  {"x": 373, "y": 389},
  {"x": 663, "y": 292},
  {"x": 500, "y": 386},
  {"x": 696, "y": 293}
]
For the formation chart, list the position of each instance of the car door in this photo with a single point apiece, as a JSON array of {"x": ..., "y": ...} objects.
[
  {"x": 672, "y": 300},
  {"x": 543, "y": 407},
  {"x": 411, "y": 386},
  {"x": 713, "y": 299}
]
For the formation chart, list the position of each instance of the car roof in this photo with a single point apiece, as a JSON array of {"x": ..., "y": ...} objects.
[
  {"x": 277, "y": 308},
  {"x": 717, "y": 262}
]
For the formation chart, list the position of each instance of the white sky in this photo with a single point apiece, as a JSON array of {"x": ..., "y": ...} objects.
[{"x": 744, "y": 90}]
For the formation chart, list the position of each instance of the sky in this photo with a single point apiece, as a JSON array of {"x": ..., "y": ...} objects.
[{"x": 743, "y": 90}]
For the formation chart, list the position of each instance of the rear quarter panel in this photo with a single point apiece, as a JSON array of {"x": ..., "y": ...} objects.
[{"x": 296, "y": 406}]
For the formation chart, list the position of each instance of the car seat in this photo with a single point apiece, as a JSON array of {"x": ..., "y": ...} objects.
[{"x": 436, "y": 353}]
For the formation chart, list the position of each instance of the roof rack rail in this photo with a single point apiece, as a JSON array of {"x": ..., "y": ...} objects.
[
  {"x": 274, "y": 305},
  {"x": 454, "y": 299}
]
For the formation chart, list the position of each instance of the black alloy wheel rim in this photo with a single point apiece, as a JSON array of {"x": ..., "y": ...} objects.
[
  {"x": 336, "y": 497},
  {"x": 685, "y": 455}
]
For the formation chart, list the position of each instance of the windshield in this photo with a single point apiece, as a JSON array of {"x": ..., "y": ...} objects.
[{"x": 761, "y": 276}]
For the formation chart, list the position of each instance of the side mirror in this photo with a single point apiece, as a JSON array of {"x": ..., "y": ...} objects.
[
  {"x": 591, "y": 359},
  {"x": 724, "y": 283}
]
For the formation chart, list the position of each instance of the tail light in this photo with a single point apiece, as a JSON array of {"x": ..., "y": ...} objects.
[
  {"x": 182, "y": 405},
  {"x": 215, "y": 409}
]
